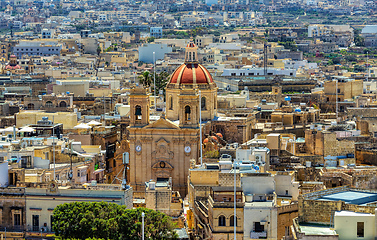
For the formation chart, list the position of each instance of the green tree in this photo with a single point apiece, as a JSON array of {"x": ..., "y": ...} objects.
[
  {"x": 158, "y": 226},
  {"x": 359, "y": 40},
  {"x": 150, "y": 39},
  {"x": 358, "y": 68},
  {"x": 289, "y": 45},
  {"x": 161, "y": 81},
  {"x": 146, "y": 79},
  {"x": 83, "y": 220}
]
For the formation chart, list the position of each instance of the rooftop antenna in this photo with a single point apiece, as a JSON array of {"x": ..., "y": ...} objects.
[
  {"x": 154, "y": 79},
  {"x": 11, "y": 30},
  {"x": 70, "y": 175},
  {"x": 265, "y": 53}
]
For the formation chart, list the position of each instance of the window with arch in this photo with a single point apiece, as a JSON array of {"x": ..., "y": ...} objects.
[
  {"x": 187, "y": 113},
  {"x": 222, "y": 221},
  {"x": 62, "y": 104},
  {"x": 203, "y": 103},
  {"x": 138, "y": 112},
  {"x": 232, "y": 221},
  {"x": 171, "y": 103},
  {"x": 49, "y": 104},
  {"x": 193, "y": 56},
  {"x": 30, "y": 106}
]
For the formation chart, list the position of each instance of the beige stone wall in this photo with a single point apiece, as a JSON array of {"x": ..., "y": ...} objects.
[
  {"x": 286, "y": 214},
  {"x": 336, "y": 147},
  {"x": 69, "y": 120},
  {"x": 204, "y": 178},
  {"x": 357, "y": 88},
  {"x": 315, "y": 211},
  {"x": 218, "y": 232},
  {"x": 347, "y": 90},
  {"x": 227, "y": 179},
  {"x": 172, "y": 97},
  {"x": 77, "y": 89},
  {"x": 162, "y": 145}
]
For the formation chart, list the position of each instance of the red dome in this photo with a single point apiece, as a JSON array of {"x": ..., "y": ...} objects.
[
  {"x": 13, "y": 67},
  {"x": 191, "y": 74},
  {"x": 219, "y": 135},
  {"x": 191, "y": 45}
]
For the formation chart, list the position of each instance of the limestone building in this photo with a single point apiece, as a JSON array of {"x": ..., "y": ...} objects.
[{"x": 163, "y": 149}]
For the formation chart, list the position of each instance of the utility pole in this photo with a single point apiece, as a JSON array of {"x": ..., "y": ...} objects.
[
  {"x": 264, "y": 59},
  {"x": 200, "y": 128},
  {"x": 104, "y": 111},
  {"x": 265, "y": 56},
  {"x": 336, "y": 102},
  {"x": 53, "y": 141},
  {"x": 234, "y": 200},
  {"x": 142, "y": 219},
  {"x": 154, "y": 79}
]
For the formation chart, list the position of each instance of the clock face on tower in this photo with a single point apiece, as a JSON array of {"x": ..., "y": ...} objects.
[
  {"x": 138, "y": 148},
  {"x": 187, "y": 149}
]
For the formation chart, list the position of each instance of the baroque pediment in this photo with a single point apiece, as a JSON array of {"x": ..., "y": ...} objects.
[{"x": 162, "y": 124}]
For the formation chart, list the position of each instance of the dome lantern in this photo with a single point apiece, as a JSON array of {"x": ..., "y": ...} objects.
[{"x": 191, "y": 55}]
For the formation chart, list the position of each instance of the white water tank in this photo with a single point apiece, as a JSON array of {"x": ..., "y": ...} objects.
[{"x": 152, "y": 185}]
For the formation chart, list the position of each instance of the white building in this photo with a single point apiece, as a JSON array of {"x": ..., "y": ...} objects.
[
  {"x": 48, "y": 33},
  {"x": 156, "y": 32},
  {"x": 260, "y": 210},
  {"x": 253, "y": 71},
  {"x": 353, "y": 225},
  {"x": 146, "y": 52}
]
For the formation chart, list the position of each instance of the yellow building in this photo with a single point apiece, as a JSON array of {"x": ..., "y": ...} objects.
[
  {"x": 68, "y": 119},
  {"x": 342, "y": 87},
  {"x": 163, "y": 149}
]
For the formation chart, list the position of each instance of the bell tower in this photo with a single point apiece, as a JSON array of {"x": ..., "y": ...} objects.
[
  {"x": 31, "y": 66},
  {"x": 188, "y": 108},
  {"x": 139, "y": 107},
  {"x": 191, "y": 53}
]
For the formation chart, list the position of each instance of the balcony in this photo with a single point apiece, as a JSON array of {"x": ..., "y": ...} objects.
[{"x": 258, "y": 235}]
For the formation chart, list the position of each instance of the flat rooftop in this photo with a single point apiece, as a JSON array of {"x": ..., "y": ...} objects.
[
  {"x": 317, "y": 230},
  {"x": 351, "y": 197}
]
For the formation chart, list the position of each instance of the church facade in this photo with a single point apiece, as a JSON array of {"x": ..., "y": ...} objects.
[{"x": 162, "y": 149}]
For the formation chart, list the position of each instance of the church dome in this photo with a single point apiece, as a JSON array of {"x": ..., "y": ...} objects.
[{"x": 191, "y": 72}]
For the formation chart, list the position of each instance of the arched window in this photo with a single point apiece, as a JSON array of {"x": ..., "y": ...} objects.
[
  {"x": 203, "y": 103},
  {"x": 222, "y": 220},
  {"x": 138, "y": 112},
  {"x": 187, "y": 113},
  {"x": 193, "y": 56},
  {"x": 232, "y": 221},
  {"x": 49, "y": 104},
  {"x": 62, "y": 104},
  {"x": 30, "y": 106},
  {"x": 171, "y": 103}
]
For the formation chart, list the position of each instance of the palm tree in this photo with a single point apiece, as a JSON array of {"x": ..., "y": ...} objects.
[{"x": 146, "y": 79}]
